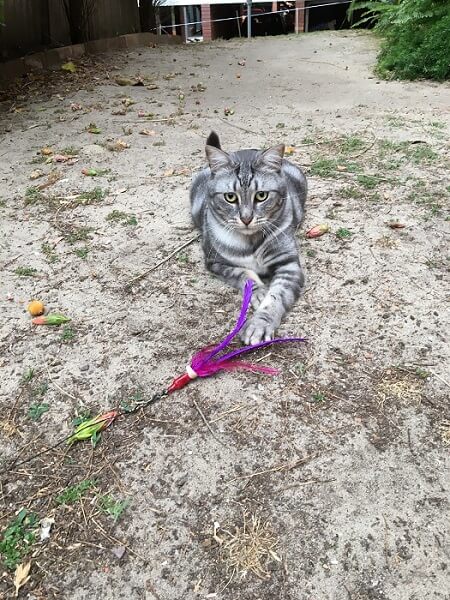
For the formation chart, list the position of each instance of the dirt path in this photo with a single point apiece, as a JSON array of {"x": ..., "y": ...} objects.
[{"x": 336, "y": 469}]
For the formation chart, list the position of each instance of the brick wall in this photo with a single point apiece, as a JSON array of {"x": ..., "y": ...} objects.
[
  {"x": 206, "y": 22},
  {"x": 300, "y": 16}
]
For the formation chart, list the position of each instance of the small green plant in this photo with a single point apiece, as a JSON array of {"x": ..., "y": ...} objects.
[
  {"x": 39, "y": 390},
  {"x": 280, "y": 125},
  {"x": 82, "y": 252},
  {"x": 112, "y": 507},
  {"x": 183, "y": 258},
  {"x": 367, "y": 181},
  {"x": 318, "y": 397},
  {"x": 352, "y": 143},
  {"x": 68, "y": 335},
  {"x": 71, "y": 150},
  {"x": 33, "y": 195},
  {"x": 28, "y": 375},
  {"x": 49, "y": 252},
  {"x": 36, "y": 411},
  {"x": 18, "y": 538},
  {"x": 423, "y": 154},
  {"x": 343, "y": 234},
  {"x": 79, "y": 234},
  {"x": 311, "y": 253},
  {"x": 75, "y": 492},
  {"x": 25, "y": 271},
  {"x": 95, "y": 195},
  {"x": 324, "y": 167},
  {"x": 118, "y": 216},
  {"x": 2, "y": 203},
  {"x": 350, "y": 192}
]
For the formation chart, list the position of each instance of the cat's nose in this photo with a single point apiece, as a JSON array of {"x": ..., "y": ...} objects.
[{"x": 247, "y": 219}]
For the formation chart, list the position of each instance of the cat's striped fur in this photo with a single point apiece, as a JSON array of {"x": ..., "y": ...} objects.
[{"x": 247, "y": 205}]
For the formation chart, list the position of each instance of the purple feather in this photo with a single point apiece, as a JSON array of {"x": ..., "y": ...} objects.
[{"x": 204, "y": 365}]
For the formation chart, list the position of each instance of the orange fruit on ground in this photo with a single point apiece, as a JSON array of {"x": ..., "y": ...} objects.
[{"x": 36, "y": 308}]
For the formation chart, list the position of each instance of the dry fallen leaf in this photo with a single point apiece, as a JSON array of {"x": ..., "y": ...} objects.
[
  {"x": 147, "y": 132},
  {"x": 289, "y": 150},
  {"x": 396, "y": 225},
  {"x": 21, "y": 576},
  {"x": 75, "y": 106},
  {"x": 46, "y": 151},
  {"x": 123, "y": 81},
  {"x": 341, "y": 168},
  {"x": 63, "y": 157},
  {"x": 36, "y": 174},
  {"x": 117, "y": 146}
]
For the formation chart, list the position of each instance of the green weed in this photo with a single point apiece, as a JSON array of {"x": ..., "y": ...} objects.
[
  {"x": 28, "y": 375},
  {"x": 93, "y": 196},
  {"x": 25, "y": 271},
  {"x": 73, "y": 493},
  {"x": 18, "y": 538},
  {"x": 79, "y": 234},
  {"x": 36, "y": 411},
  {"x": 343, "y": 234},
  {"x": 324, "y": 167},
  {"x": 367, "y": 181},
  {"x": 112, "y": 507},
  {"x": 68, "y": 335},
  {"x": 82, "y": 252},
  {"x": 33, "y": 195},
  {"x": 49, "y": 252},
  {"x": 118, "y": 216}
]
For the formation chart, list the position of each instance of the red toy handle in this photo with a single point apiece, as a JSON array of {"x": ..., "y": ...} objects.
[{"x": 179, "y": 383}]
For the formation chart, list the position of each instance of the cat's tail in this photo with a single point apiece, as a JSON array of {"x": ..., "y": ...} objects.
[{"x": 213, "y": 140}]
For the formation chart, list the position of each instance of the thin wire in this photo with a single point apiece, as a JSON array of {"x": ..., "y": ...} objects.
[
  {"x": 80, "y": 428},
  {"x": 273, "y": 12}
]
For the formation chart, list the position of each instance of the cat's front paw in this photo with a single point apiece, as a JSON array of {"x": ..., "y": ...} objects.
[
  {"x": 258, "y": 329},
  {"x": 258, "y": 295}
]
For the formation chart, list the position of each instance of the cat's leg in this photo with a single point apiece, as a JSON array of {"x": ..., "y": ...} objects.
[
  {"x": 237, "y": 277},
  {"x": 284, "y": 290}
]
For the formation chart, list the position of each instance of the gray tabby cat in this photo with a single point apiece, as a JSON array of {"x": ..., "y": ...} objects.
[{"x": 247, "y": 205}]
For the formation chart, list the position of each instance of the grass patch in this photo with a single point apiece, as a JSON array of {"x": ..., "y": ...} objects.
[
  {"x": 118, "y": 216},
  {"x": 422, "y": 153},
  {"x": 79, "y": 234},
  {"x": 33, "y": 195},
  {"x": 75, "y": 492},
  {"x": 112, "y": 507},
  {"x": 71, "y": 150},
  {"x": 67, "y": 335},
  {"x": 49, "y": 252},
  {"x": 18, "y": 538},
  {"x": 351, "y": 144},
  {"x": 367, "y": 181},
  {"x": 324, "y": 167},
  {"x": 350, "y": 192},
  {"x": 25, "y": 271},
  {"x": 36, "y": 411},
  {"x": 343, "y": 234},
  {"x": 82, "y": 252},
  {"x": 40, "y": 390},
  {"x": 93, "y": 196},
  {"x": 28, "y": 375}
]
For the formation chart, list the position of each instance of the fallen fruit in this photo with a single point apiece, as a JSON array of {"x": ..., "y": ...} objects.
[
  {"x": 36, "y": 308},
  {"x": 92, "y": 427},
  {"x": 51, "y": 320},
  {"x": 89, "y": 172},
  {"x": 318, "y": 230}
]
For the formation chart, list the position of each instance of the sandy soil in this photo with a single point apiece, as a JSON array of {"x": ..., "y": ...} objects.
[{"x": 336, "y": 468}]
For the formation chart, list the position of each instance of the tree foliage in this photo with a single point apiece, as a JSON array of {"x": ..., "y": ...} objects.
[{"x": 415, "y": 35}]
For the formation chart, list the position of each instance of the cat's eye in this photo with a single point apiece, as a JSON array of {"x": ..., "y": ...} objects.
[
  {"x": 230, "y": 197},
  {"x": 261, "y": 196}
]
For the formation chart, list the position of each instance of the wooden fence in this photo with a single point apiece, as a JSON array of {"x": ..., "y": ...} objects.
[{"x": 33, "y": 25}]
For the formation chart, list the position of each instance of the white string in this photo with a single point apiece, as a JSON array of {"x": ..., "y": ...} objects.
[{"x": 274, "y": 12}]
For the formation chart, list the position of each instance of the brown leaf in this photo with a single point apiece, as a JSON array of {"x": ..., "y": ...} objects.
[
  {"x": 396, "y": 225},
  {"x": 148, "y": 132},
  {"x": 290, "y": 150},
  {"x": 21, "y": 576},
  {"x": 341, "y": 168},
  {"x": 46, "y": 151},
  {"x": 117, "y": 146},
  {"x": 63, "y": 157},
  {"x": 36, "y": 174},
  {"x": 123, "y": 81}
]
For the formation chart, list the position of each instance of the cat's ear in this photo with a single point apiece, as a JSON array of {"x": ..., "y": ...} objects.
[
  {"x": 218, "y": 160},
  {"x": 271, "y": 159},
  {"x": 213, "y": 140}
]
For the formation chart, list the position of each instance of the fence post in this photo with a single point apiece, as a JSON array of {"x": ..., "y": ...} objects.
[{"x": 249, "y": 18}]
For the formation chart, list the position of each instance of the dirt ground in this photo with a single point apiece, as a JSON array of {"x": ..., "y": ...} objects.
[{"x": 327, "y": 482}]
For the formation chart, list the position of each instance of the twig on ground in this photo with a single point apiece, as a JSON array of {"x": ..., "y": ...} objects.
[
  {"x": 199, "y": 410},
  {"x": 161, "y": 262},
  {"x": 283, "y": 467},
  {"x": 59, "y": 387}
]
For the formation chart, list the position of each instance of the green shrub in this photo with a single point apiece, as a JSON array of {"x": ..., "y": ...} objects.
[{"x": 416, "y": 36}]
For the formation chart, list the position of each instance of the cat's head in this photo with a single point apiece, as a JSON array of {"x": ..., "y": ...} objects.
[{"x": 246, "y": 188}]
